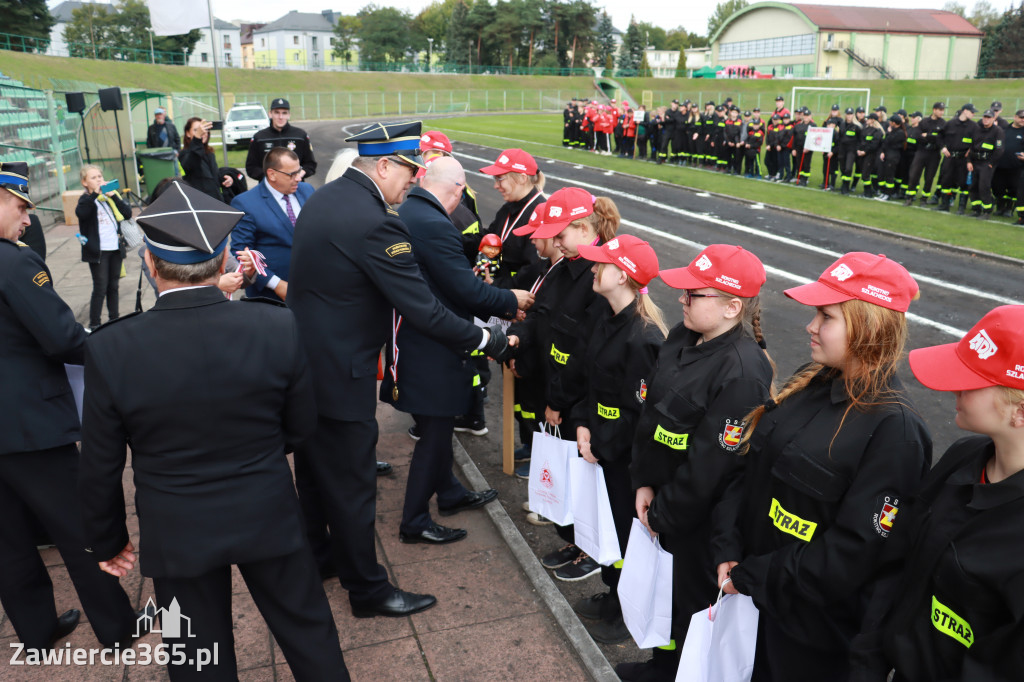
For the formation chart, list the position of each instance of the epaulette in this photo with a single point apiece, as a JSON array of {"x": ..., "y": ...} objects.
[
  {"x": 263, "y": 299},
  {"x": 14, "y": 242},
  {"x": 113, "y": 322},
  {"x": 391, "y": 211}
]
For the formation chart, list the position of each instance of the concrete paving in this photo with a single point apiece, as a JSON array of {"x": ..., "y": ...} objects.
[{"x": 497, "y": 618}]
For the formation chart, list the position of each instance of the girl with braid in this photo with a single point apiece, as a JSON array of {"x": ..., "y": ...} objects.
[{"x": 711, "y": 371}]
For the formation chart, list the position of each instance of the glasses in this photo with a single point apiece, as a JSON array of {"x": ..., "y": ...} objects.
[
  {"x": 688, "y": 295},
  {"x": 408, "y": 166},
  {"x": 502, "y": 178},
  {"x": 290, "y": 175}
]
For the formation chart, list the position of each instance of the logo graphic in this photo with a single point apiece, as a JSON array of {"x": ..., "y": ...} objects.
[
  {"x": 425, "y": 138},
  {"x": 503, "y": 159},
  {"x": 533, "y": 217},
  {"x": 291, "y": 146},
  {"x": 170, "y": 620},
  {"x": 613, "y": 244},
  {"x": 983, "y": 345},
  {"x": 842, "y": 272},
  {"x": 555, "y": 212},
  {"x": 578, "y": 210},
  {"x": 731, "y": 435},
  {"x": 887, "y": 509},
  {"x": 545, "y": 477},
  {"x": 641, "y": 395},
  {"x": 41, "y": 278},
  {"x": 703, "y": 263}
]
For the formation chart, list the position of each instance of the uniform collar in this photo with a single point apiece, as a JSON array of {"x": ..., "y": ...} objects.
[
  {"x": 190, "y": 298},
  {"x": 366, "y": 181},
  {"x": 988, "y": 495},
  {"x": 838, "y": 393},
  {"x": 622, "y": 318},
  {"x": 423, "y": 194},
  {"x": 693, "y": 352}
]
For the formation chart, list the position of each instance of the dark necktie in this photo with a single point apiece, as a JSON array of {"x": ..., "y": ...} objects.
[{"x": 288, "y": 209}]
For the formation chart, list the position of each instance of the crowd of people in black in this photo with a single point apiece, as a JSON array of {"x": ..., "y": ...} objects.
[{"x": 952, "y": 164}]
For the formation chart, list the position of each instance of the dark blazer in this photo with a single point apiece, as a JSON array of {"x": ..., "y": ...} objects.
[
  {"x": 352, "y": 262},
  {"x": 39, "y": 332},
  {"x": 433, "y": 378},
  {"x": 266, "y": 228},
  {"x": 89, "y": 224},
  {"x": 211, "y": 395}
]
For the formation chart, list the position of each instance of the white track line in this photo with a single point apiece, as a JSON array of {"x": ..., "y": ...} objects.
[{"x": 1002, "y": 300}]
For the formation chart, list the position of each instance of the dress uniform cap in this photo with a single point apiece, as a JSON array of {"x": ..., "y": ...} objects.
[
  {"x": 535, "y": 221},
  {"x": 435, "y": 139},
  {"x": 863, "y": 276},
  {"x": 631, "y": 254},
  {"x": 901, "y": 112},
  {"x": 512, "y": 161},
  {"x": 563, "y": 207},
  {"x": 186, "y": 226},
  {"x": 873, "y": 116},
  {"x": 14, "y": 179},
  {"x": 720, "y": 266},
  {"x": 280, "y": 103},
  {"x": 991, "y": 354},
  {"x": 675, "y": 101},
  {"x": 390, "y": 139},
  {"x": 757, "y": 109}
]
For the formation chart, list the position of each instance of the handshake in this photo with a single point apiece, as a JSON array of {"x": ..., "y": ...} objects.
[{"x": 496, "y": 346}]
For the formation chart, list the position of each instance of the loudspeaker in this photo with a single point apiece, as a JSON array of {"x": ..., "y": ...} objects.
[
  {"x": 76, "y": 102},
  {"x": 110, "y": 99}
]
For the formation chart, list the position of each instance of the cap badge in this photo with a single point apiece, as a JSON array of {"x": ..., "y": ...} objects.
[
  {"x": 703, "y": 263},
  {"x": 425, "y": 138},
  {"x": 842, "y": 272},
  {"x": 983, "y": 345},
  {"x": 554, "y": 211},
  {"x": 502, "y": 159},
  {"x": 613, "y": 244}
]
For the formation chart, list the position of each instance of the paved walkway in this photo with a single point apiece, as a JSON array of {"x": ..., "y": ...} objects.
[{"x": 498, "y": 616}]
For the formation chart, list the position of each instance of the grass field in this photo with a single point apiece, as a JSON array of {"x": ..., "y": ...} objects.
[{"x": 541, "y": 134}]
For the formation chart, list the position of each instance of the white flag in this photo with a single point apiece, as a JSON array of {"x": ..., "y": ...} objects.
[{"x": 178, "y": 16}]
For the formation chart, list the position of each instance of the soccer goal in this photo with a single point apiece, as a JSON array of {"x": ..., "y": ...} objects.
[{"x": 820, "y": 100}]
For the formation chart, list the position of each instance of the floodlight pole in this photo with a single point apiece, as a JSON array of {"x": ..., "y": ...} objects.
[{"x": 216, "y": 75}]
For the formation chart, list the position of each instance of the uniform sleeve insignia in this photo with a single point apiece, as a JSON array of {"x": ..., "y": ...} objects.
[
  {"x": 641, "y": 395},
  {"x": 391, "y": 211},
  {"x": 731, "y": 434},
  {"x": 41, "y": 278},
  {"x": 886, "y": 508},
  {"x": 398, "y": 249}
]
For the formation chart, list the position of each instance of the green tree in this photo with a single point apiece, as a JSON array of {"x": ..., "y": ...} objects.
[
  {"x": 681, "y": 65},
  {"x": 28, "y": 18},
  {"x": 723, "y": 11},
  {"x": 384, "y": 34},
  {"x": 1000, "y": 52},
  {"x": 632, "y": 53},
  {"x": 604, "y": 41},
  {"x": 480, "y": 21},
  {"x": 122, "y": 32},
  {"x": 984, "y": 16},
  {"x": 456, "y": 45},
  {"x": 644, "y": 71},
  {"x": 345, "y": 32},
  {"x": 91, "y": 28},
  {"x": 432, "y": 22},
  {"x": 955, "y": 8},
  {"x": 654, "y": 36}
]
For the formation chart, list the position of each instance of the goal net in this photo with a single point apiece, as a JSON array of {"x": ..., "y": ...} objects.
[{"x": 820, "y": 100}]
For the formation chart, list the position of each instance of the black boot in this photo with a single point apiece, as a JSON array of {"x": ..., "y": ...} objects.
[
  {"x": 869, "y": 192},
  {"x": 909, "y": 201},
  {"x": 934, "y": 198},
  {"x": 962, "y": 206},
  {"x": 984, "y": 215},
  {"x": 944, "y": 202}
]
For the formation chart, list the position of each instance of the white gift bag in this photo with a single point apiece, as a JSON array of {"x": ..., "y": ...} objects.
[
  {"x": 594, "y": 528},
  {"x": 549, "y": 477},
  {"x": 645, "y": 589},
  {"x": 721, "y": 641}
]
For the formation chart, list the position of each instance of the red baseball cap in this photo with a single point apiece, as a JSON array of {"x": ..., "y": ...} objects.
[
  {"x": 720, "y": 266},
  {"x": 563, "y": 207},
  {"x": 535, "y": 221},
  {"x": 437, "y": 140},
  {"x": 991, "y": 354},
  {"x": 512, "y": 161},
  {"x": 860, "y": 275},
  {"x": 631, "y": 254}
]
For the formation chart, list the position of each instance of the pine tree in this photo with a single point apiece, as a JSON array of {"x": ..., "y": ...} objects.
[
  {"x": 28, "y": 18},
  {"x": 645, "y": 68},
  {"x": 681, "y": 65},
  {"x": 605, "y": 39},
  {"x": 632, "y": 53},
  {"x": 1000, "y": 55}
]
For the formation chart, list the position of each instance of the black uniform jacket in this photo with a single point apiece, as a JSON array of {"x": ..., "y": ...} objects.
[
  {"x": 89, "y": 224},
  {"x": 931, "y": 133},
  {"x": 956, "y": 611},
  {"x": 817, "y": 506},
  {"x": 39, "y": 332},
  {"x": 688, "y": 436},
  {"x": 210, "y": 395},
  {"x": 849, "y": 135},
  {"x": 988, "y": 145},
  {"x": 892, "y": 145},
  {"x": 958, "y": 136},
  {"x": 433, "y": 378},
  {"x": 619, "y": 360},
  {"x": 352, "y": 262},
  {"x": 289, "y": 136},
  {"x": 871, "y": 139},
  {"x": 516, "y": 251}
]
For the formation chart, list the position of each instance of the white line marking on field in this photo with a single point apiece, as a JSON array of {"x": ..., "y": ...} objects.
[
  {"x": 577, "y": 167},
  {"x": 609, "y": 172},
  {"x": 652, "y": 182},
  {"x": 763, "y": 234},
  {"x": 703, "y": 194}
]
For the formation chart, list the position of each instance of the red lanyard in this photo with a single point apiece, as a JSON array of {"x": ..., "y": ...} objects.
[
  {"x": 540, "y": 280},
  {"x": 507, "y": 229},
  {"x": 396, "y": 324}
]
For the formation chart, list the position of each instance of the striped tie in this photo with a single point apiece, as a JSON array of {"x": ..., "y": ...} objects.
[{"x": 288, "y": 209}]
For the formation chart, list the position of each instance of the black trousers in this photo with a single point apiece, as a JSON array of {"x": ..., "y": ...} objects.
[
  {"x": 803, "y": 164},
  {"x": 981, "y": 188},
  {"x": 105, "y": 277},
  {"x": 42, "y": 487},
  {"x": 622, "y": 500},
  {"x": 953, "y": 177},
  {"x": 780, "y": 658},
  {"x": 753, "y": 157},
  {"x": 678, "y": 143},
  {"x": 928, "y": 162},
  {"x": 848, "y": 163},
  {"x": 339, "y": 463},
  {"x": 430, "y": 473},
  {"x": 829, "y": 163},
  {"x": 663, "y": 143},
  {"x": 289, "y": 594}
]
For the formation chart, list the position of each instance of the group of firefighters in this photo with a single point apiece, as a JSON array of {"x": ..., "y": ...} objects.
[{"x": 950, "y": 163}]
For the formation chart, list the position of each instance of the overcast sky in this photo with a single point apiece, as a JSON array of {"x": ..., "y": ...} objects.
[{"x": 690, "y": 14}]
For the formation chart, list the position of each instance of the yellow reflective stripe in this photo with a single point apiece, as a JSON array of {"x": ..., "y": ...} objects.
[
  {"x": 790, "y": 523},
  {"x": 560, "y": 357},
  {"x": 676, "y": 441},
  {"x": 528, "y": 415},
  {"x": 968, "y": 140},
  {"x": 476, "y": 380},
  {"x": 607, "y": 412},
  {"x": 945, "y": 620},
  {"x": 517, "y": 408},
  {"x": 671, "y": 646},
  {"x": 986, "y": 145},
  {"x": 472, "y": 229},
  {"x": 476, "y": 353},
  {"x": 617, "y": 564}
]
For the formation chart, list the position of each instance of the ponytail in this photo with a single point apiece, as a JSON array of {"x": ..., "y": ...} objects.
[
  {"x": 538, "y": 180},
  {"x": 606, "y": 218},
  {"x": 646, "y": 308}
]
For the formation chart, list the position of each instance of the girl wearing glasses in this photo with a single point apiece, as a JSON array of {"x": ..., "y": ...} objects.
[
  {"x": 829, "y": 464},
  {"x": 520, "y": 183},
  {"x": 712, "y": 370}
]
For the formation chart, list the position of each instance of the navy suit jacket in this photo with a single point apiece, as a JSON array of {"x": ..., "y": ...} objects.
[{"x": 266, "y": 228}]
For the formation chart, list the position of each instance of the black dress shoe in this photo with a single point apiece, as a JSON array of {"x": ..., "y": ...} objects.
[
  {"x": 472, "y": 500},
  {"x": 66, "y": 624},
  {"x": 384, "y": 469},
  {"x": 397, "y": 604},
  {"x": 436, "y": 534}
]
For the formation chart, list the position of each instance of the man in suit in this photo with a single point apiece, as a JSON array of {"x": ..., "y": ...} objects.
[
  {"x": 437, "y": 381},
  {"x": 352, "y": 263},
  {"x": 271, "y": 209},
  {"x": 38, "y": 457},
  {"x": 211, "y": 394}
]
